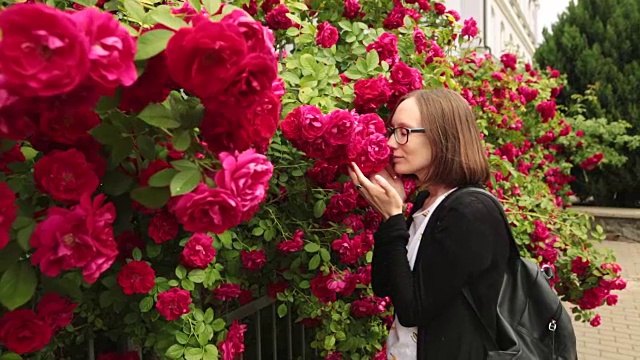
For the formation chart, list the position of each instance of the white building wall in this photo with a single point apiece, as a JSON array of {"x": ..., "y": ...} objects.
[{"x": 505, "y": 25}]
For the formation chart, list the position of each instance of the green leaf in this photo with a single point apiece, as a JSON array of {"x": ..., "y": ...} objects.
[
  {"x": 153, "y": 250},
  {"x": 324, "y": 253},
  {"x": 205, "y": 335},
  {"x": 152, "y": 43},
  {"x": 183, "y": 165},
  {"x": 9, "y": 256},
  {"x": 282, "y": 310},
  {"x": 106, "y": 133},
  {"x": 292, "y": 31},
  {"x": 24, "y": 235},
  {"x": 137, "y": 254},
  {"x": 353, "y": 73},
  {"x": 162, "y": 178},
  {"x": 174, "y": 351},
  {"x": 211, "y": 6},
  {"x": 185, "y": 181},
  {"x": 134, "y": 10},
  {"x": 116, "y": 183},
  {"x": 182, "y": 338},
  {"x": 329, "y": 342},
  {"x": 181, "y": 272},
  {"x": 218, "y": 324},
  {"x": 308, "y": 62},
  {"x": 181, "y": 140},
  {"x": 10, "y": 356},
  {"x": 314, "y": 262},
  {"x": 153, "y": 198},
  {"x": 372, "y": 60},
  {"x": 163, "y": 15},
  {"x": 159, "y": 115},
  {"x": 304, "y": 284},
  {"x": 208, "y": 316},
  {"x": 198, "y": 314},
  {"x": 29, "y": 153},
  {"x": 210, "y": 352},
  {"x": 318, "y": 208},
  {"x": 146, "y": 304},
  {"x": 197, "y": 275},
  {"x": 187, "y": 284},
  {"x": 147, "y": 147},
  {"x": 17, "y": 285},
  {"x": 121, "y": 149},
  {"x": 311, "y": 247}
]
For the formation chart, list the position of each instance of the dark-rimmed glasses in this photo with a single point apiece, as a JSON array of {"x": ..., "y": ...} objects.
[{"x": 401, "y": 134}]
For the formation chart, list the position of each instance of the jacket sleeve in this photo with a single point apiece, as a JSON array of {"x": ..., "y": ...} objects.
[
  {"x": 460, "y": 248},
  {"x": 393, "y": 230}
]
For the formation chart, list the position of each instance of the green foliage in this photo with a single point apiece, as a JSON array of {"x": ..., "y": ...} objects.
[{"x": 594, "y": 43}]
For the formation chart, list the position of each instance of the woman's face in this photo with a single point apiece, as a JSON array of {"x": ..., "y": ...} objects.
[{"x": 414, "y": 157}]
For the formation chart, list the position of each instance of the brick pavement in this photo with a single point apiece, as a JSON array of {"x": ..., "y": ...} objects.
[{"x": 618, "y": 338}]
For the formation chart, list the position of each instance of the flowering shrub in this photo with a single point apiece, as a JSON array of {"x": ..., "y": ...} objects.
[{"x": 145, "y": 190}]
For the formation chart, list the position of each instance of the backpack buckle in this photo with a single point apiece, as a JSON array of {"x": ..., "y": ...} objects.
[{"x": 552, "y": 325}]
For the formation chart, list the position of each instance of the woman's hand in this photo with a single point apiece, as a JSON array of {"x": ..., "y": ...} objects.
[
  {"x": 383, "y": 196},
  {"x": 394, "y": 179}
]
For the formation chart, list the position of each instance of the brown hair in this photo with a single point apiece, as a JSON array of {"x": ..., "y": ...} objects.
[{"x": 457, "y": 155}]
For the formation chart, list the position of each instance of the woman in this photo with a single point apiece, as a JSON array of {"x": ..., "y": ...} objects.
[{"x": 433, "y": 135}]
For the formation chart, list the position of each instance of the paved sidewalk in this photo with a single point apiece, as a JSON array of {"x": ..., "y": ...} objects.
[{"x": 618, "y": 338}]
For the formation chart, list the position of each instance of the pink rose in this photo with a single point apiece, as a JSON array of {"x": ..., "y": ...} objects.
[
  {"x": 7, "y": 213},
  {"x": 42, "y": 51},
  {"x": 596, "y": 321},
  {"x": 198, "y": 253},
  {"x": 340, "y": 127},
  {"x": 509, "y": 61},
  {"x": 312, "y": 123},
  {"x": 65, "y": 175},
  {"x": 111, "y": 49},
  {"x": 246, "y": 176},
  {"x": 173, "y": 303},
  {"x": 233, "y": 344},
  {"x": 327, "y": 35},
  {"x": 547, "y": 110},
  {"x": 80, "y": 237},
  {"x": 470, "y": 28},
  {"x": 351, "y": 9},
  {"x": 403, "y": 74},
  {"x": 211, "y": 50},
  {"x": 206, "y": 209}
]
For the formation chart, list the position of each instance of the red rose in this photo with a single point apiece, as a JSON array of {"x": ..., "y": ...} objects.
[
  {"x": 173, "y": 303},
  {"x": 246, "y": 176},
  {"x": 320, "y": 290},
  {"x": 42, "y": 52},
  {"x": 547, "y": 110},
  {"x": 226, "y": 292},
  {"x": 7, "y": 213},
  {"x": 303, "y": 123},
  {"x": 233, "y": 344},
  {"x": 509, "y": 61},
  {"x": 136, "y": 277},
  {"x": 254, "y": 259},
  {"x": 198, "y": 253},
  {"x": 65, "y": 175},
  {"x": 371, "y": 94},
  {"x": 163, "y": 227},
  {"x": 387, "y": 47},
  {"x": 80, "y": 237},
  {"x": 111, "y": 48},
  {"x": 327, "y": 35},
  {"x": 351, "y": 9},
  {"x": 470, "y": 28},
  {"x": 206, "y": 209},
  {"x": 277, "y": 18},
  {"x": 406, "y": 76},
  {"x": 293, "y": 245},
  {"x": 22, "y": 332},
  {"x": 248, "y": 81},
  {"x": 153, "y": 86},
  {"x": 55, "y": 310},
  {"x": 259, "y": 38},
  {"x": 340, "y": 127},
  {"x": 209, "y": 49},
  {"x": 67, "y": 126}
]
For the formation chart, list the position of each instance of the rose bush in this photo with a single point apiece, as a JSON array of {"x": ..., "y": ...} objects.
[{"x": 145, "y": 191}]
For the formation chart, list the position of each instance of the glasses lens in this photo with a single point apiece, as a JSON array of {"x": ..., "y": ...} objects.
[{"x": 402, "y": 135}]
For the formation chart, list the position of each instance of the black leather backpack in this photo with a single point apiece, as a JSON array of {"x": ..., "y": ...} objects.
[{"x": 532, "y": 323}]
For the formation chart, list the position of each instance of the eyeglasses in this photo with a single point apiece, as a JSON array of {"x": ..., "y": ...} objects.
[{"x": 401, "y": 134}]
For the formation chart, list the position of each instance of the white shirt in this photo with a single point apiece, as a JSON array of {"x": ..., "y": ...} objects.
[{"x": 402, "y": 342}]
